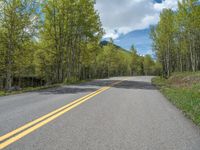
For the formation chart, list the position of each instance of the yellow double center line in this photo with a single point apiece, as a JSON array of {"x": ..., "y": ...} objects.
[{"x": 26, "y": 129}]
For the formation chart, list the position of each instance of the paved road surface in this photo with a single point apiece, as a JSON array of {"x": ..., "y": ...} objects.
[{"x": 131, "y": 115}]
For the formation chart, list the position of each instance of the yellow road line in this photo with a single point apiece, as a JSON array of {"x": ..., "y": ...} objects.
[
  {"x": 42, "y": 118},
  {"x": 15, "y": 135}
]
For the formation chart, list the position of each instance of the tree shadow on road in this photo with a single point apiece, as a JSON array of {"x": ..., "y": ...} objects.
[
  {"x": 135, "y": 85},
  {"x": 127, "y": 84},
  {"x": 67, "y": 90},
  {"x": 94, "y": 85},
  {"x": 103, "y": 82}
]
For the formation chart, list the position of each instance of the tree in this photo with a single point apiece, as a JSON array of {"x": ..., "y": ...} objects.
[
  {"x": 134, "y": 66},
  {"x": 69, "y": 34},
  {"x": 148, "y": 65},
  {"x": 17, "y": 18},
  {"x": 56, "y": 41},
  {"x": 163, "y": 37},
  {"x": 176, "y": 38}
]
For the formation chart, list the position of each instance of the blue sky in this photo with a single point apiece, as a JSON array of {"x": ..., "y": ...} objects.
[
  {"x": 122, "y": 17},
  {"x": 158, "y": 1}
]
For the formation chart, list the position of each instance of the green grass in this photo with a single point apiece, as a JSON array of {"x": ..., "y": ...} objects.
[
  {"x": 185, "y": 96},
  {"x": 75, "y": 81}
]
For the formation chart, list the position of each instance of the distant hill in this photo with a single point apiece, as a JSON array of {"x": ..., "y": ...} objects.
[
  {"x": 140, "y": 39},
  {"x": 104, "y": 43}
]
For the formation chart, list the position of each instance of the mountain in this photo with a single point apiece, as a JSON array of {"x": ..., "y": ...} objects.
[
  {"x": 104, "y": 43},
  {"x": 139, "y": 38}
]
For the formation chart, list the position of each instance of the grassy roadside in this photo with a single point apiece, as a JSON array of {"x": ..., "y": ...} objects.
[
  {"x": 31, "y": 89},
  {"x": 183, "y": 90}
]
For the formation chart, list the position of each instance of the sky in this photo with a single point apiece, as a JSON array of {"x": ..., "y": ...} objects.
[{"x": 120, "y": 17}]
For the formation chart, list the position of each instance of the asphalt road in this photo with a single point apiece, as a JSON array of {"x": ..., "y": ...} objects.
[{"x": 131, "y": 115}]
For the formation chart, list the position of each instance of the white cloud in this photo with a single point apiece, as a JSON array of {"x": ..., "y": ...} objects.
[
  {"x": 122, "y": 16},
  {"x": 166, "y": 4}
]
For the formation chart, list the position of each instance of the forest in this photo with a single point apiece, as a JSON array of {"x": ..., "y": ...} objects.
[
  {"x": 176, "y": 38},
  {"x": 59, "y": 41}
]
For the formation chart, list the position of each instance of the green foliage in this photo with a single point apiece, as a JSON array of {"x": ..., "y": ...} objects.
[
  {"x": 187, "y": 100},
  {"x": 159, "y": 81},
  {"x": 17, "y": 27},
  {"x": 58, "y": 41},
  {"x": 163, "y": 37},
  {"x": 176, "y": 38},
  {"x": 68, "y": 39},
  {"x": 148, "y": 65},
  {"x": 71, "y": 80},
  {"x": 183, "y": 90},
  {"x": 113, "y": 61}
]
